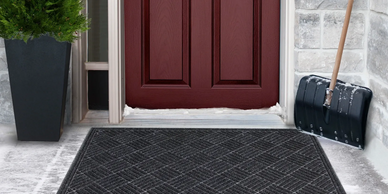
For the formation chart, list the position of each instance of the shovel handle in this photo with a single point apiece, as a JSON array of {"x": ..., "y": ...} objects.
[{"x": 338, "y": 58}]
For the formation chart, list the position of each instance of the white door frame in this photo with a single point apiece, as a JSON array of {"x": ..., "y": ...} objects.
[
  {"x": 116, "y": 64},
  {"x": 116, "y": 60},
  {"x": 287, "y": 68}
]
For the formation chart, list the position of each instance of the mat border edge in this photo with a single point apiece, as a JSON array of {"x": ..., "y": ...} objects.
[
  {"x": 76, "y": 161},
  {"x": 88, "y": 138}
]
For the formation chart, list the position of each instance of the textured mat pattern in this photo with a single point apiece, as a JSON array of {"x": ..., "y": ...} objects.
[{"x": 200, "y": 161}]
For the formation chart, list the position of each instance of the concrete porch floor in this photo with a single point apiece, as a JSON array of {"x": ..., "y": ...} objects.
[{"x": 39, "y": 167}]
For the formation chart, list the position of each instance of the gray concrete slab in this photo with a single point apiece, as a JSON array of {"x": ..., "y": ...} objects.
[{"x": 39, "y": 167}]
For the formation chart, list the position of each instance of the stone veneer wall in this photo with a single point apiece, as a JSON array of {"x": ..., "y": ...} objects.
[
  {"x": 6, "y": 108},
  {"x": 377, "y": 65},
  {"x": 318, "y": 25}
]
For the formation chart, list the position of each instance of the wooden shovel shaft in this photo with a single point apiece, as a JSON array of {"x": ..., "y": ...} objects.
[{"x": 339, "y": 53}]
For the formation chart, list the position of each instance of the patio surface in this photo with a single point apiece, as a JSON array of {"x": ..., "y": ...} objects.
[{"x": 39, "y": 167}]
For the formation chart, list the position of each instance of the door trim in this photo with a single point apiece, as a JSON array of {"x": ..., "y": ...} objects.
[
  {"x": 116, "y": 66},
  {"x": 287, "y": 68},
  {"x": 116, "y": 60},
  {"x": 79, "y": 80}
]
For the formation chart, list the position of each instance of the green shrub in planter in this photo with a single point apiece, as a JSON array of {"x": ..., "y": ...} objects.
[
  {"x": 38, "y": 36},
  {"x": 25, "y": 19}
]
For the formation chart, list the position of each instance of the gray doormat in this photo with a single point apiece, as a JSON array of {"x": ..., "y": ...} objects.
[{"x": 163, "y": 161}]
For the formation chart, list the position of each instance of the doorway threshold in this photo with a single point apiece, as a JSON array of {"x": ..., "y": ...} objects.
[{"x": 269, "y": 118}]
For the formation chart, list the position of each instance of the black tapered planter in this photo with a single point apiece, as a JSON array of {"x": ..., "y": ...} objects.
[{"x": 38, "y": 73}]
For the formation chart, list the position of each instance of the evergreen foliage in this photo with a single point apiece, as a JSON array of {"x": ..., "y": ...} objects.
[{"x": 25, "y": 19}]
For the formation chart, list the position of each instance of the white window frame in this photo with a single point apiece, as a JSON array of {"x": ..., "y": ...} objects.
[{"x": 116, "y": 65}]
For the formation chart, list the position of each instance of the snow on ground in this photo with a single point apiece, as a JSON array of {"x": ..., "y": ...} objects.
[{"x": 276, "y": 109}]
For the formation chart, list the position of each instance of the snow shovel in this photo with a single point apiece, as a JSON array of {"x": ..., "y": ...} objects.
[{"x": 332, "y": 108}]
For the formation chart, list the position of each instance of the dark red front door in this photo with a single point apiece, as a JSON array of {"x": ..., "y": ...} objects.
[{"x": 202, "y": 53}]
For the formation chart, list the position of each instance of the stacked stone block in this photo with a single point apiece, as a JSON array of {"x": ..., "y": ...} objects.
[
  {"x": 6, "y": 108},
  {"x": 318, "y": 26},
  {"x": 377, "y": 66}
]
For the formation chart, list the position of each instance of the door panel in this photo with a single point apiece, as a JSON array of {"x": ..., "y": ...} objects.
[
  {"x": 202, "y": 53},
  {"x": 165, "y": 35},
  {"x": 236, "y": 43},
  {"x": 235, "y": 19},
  {"x": 165, "y": 42}
]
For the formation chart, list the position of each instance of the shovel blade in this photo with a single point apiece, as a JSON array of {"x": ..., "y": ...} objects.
[{"x": 345, "y": 119}]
